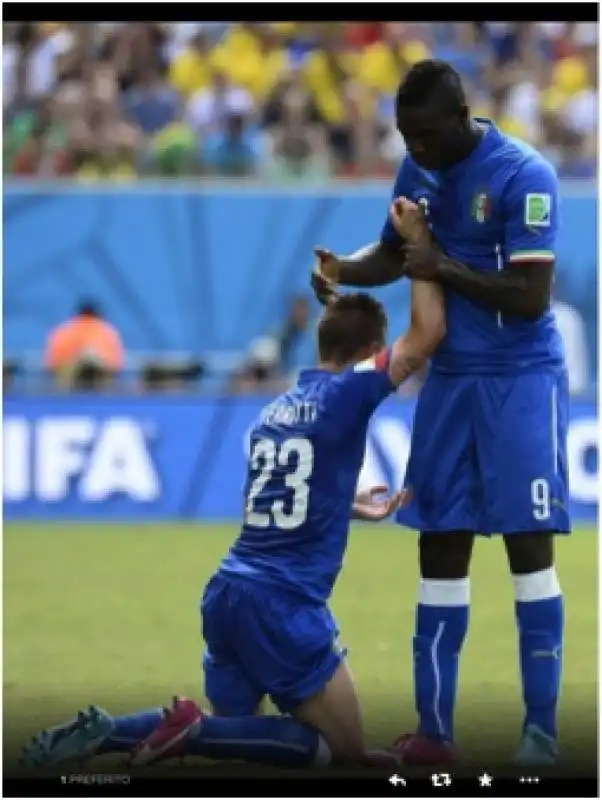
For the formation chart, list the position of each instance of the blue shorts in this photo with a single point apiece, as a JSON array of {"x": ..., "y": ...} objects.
[
  {"x": 488, "y": 454},
  {"x": 261, "y": 641}
]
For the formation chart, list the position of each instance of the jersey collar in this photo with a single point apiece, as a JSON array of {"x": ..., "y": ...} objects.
[{"x": 489, "y": 141}]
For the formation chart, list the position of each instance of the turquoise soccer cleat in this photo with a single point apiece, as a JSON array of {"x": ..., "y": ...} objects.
[
  {"x": 76, "y": 740},
  {"x": 537, "y": 748}
]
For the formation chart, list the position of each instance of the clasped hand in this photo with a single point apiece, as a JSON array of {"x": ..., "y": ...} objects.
[{"x": 420, "y": 253}]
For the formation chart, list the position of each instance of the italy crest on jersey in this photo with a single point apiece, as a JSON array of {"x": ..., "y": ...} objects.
[{"x": 481, "y": 207}]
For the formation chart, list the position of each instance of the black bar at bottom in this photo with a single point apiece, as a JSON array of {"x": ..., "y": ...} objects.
[{"x": 202, "y": 783}]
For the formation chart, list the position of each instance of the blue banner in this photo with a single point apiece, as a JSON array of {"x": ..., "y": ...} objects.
[
  {"x": 176, "y": 247},
  {"x": 166, "y": 458}
]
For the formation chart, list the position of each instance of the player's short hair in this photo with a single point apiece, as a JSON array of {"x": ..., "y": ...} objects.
[
  {"x": 350, "y": 324},
  {"x": 431, "y": 80}
]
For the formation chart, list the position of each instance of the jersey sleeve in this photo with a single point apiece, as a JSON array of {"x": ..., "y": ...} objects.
[
  {"x": 402, "y": 187},
  {"x": 365, "y": 386},
  {"x": 531, "y": 215}
]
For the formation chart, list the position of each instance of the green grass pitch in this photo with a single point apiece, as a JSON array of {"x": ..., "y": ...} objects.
[{"x": 109, "y": 614}]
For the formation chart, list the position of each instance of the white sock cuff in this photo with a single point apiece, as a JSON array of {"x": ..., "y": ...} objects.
[
  {"x": 540, "y": 585},
  {"x": 444, "y": 593}
]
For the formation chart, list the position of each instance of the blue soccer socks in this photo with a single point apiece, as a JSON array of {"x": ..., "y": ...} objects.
[
  {"x": 540, "y": 620},
  {"x": 129, "y": 730},
  {"x": 270, "y": 740},
  {"x": 441, "y": 625}
]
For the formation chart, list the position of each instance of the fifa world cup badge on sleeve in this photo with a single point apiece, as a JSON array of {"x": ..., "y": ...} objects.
[{"x": 538, "y": 210}]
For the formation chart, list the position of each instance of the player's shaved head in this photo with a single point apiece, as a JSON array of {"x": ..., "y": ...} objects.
[
  {"x": 432, "y": 114},
  {"x": 432, "y": 82},
  {"x": 352, "y": 327}
]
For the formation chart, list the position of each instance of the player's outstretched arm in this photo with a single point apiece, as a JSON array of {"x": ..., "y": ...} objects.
[{"x": 427, "y": 329}]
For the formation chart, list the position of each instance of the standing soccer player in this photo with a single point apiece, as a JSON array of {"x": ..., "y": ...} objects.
[
  {"x": 266, "y": 621},
  {"x": 488, "y": 450}
]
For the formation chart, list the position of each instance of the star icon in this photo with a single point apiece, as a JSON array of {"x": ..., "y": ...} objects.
[{"x": 485, "y": 780}]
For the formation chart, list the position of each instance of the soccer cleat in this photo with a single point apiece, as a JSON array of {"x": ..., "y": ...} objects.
[
  {"x": 537, "y": 748},
  {"x": 417, "y": 750},
  {"x": 76, "y": 740},
  {"x": 168, "y": 739}
]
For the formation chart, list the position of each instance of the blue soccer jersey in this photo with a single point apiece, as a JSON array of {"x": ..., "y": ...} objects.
[
  {"x": 488, "y": 450},
  {"x": 498, "y": 206},
  {"x": 306, "y": 452}
]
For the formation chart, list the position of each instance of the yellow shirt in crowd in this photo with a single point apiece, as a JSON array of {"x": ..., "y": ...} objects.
[
  {"x": 569, "y": 75},
  {"x": 325, "y": 86},
  {"x": 253, "y": 70},
  {"x": 379, "y": 64},
  {"x": 190, "y": 71},
  {"x": 240, "y": 57}
]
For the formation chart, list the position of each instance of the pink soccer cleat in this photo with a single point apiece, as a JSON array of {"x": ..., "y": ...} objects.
[
  {"x": 169, "y": 738},
  {"x": 417, "y": 750}
]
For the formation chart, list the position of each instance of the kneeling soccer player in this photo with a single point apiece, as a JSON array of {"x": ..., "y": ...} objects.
[{"x": 266, "y": 622}]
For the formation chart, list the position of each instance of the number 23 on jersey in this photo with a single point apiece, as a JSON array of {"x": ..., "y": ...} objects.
[{"x": 294, "y": 460}]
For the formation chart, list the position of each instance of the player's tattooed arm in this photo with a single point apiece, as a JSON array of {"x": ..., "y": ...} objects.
[
  {"x": 523, "y": 289},
  {"x": 427, "y": 329}
]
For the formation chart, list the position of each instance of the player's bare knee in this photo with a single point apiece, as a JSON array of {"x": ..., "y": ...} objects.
[
  {"x": 530, "y": 552},
  {"x": 335, "y": 713},
  {"x": 445, "y": 556}
]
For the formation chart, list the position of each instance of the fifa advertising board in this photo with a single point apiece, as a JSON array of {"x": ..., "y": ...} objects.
[{"x": 168, "y": 458}]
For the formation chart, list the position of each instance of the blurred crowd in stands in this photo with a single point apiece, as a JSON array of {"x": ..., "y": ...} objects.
[
  {"x": 86, "y": 353},
  {"x": 294, "y": 101}
]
